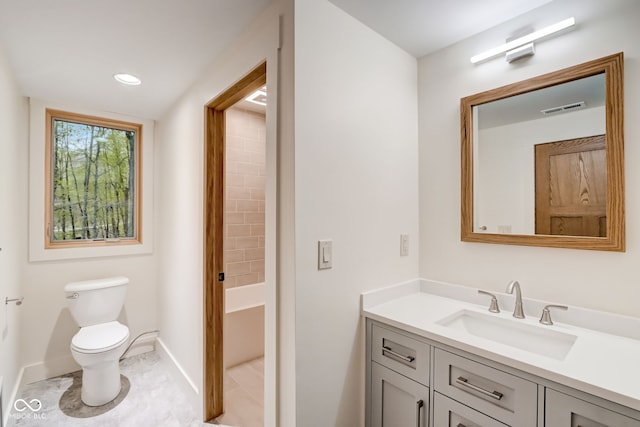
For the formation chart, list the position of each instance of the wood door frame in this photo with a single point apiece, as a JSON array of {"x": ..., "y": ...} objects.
[{"x": 214, "y": 178}]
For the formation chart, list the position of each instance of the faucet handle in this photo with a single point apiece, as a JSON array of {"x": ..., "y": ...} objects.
[
  {"x": 493, "y": 307},
  {"x": 545, "y": 319}
]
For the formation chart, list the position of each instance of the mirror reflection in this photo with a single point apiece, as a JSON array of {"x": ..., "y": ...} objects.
[{"x": 540, "y": 164}]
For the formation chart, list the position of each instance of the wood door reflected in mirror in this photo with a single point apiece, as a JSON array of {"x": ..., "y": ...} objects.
[
  {"x": 571, "y": 187},
  {"x": 543, "y": 162}
]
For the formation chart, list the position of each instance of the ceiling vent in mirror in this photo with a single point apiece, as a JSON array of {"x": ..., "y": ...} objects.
[{"x": 564, "y": 108}]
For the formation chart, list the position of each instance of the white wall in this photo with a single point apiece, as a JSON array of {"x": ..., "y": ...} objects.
[
  {"x": 13, "y": 224},
  {"x": 599, "y": 280},
  {"x": 356, "y": 184},
  {"x": 180, "y": 209}
]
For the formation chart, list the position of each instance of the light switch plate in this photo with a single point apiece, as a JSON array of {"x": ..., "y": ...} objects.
[{"x": 325, "y": 254}]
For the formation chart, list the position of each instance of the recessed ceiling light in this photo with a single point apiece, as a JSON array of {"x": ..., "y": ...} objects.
[
  {"x": 127, "y": 79},
  {"x": 259, "y": 96}
]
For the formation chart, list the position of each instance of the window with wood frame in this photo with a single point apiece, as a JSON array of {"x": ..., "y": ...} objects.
[{"x": 92, "y": 189}]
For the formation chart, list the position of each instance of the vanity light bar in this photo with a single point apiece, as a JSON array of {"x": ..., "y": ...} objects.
[
  {"x": 520, "y": 52},
  {"x": 536, "y": 35}
]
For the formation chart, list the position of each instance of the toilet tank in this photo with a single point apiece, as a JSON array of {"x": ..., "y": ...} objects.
[{"x": 96, "y": 301}]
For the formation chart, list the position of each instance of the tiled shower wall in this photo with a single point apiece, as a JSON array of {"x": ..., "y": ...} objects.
[{"x": 244, "y": 204}]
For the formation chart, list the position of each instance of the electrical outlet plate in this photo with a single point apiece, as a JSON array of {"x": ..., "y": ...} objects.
[{"x": 404, "y": 245}]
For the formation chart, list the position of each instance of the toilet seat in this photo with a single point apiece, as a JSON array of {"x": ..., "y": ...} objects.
[{"x": 100, "y": 338}]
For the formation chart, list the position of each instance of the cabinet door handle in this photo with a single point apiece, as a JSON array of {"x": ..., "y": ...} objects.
[
  {"x": 419, "y": 405},
  {"x": 461, "y": 425},
  {"x": 465, "y": 382},
  {"x": 401, "y": 356}
]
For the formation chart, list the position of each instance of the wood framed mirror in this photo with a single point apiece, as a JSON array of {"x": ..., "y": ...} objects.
[{"x": 543, "y": 160}]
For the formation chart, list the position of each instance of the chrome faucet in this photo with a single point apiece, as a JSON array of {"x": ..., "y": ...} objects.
[{"x": 517, "y": 311}]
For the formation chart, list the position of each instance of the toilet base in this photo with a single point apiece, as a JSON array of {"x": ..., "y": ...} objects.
[{"x": 100, "y": 383}]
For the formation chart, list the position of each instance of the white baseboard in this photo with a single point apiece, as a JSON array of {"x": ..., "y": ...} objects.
[
  {"x": 48, "y": 369},
  {"x": 1, "y": 404},
  {"x": 12, "y": 398},
  {"x": 66, "y": 364},
  {"x": 142, "y": 347},
  {"x": 180, "y": 376}
]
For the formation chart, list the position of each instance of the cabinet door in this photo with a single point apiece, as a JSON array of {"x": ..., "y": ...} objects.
[
  {"x": 567, "y": 411},
  {"x": 397, "y": 401}
]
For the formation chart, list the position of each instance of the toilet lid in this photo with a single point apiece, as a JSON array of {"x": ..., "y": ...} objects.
[{"x": 99, "y": 338}]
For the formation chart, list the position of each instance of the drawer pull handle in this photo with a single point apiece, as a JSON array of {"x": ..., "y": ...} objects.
[
  {"x": 461, "y": 425},
  {"x": 419, "y": 405},
  {"x": 465, "y": 382},
  {"x": 409, "y": 359}
]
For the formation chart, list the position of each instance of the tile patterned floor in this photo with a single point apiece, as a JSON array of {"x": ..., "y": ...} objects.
[{"x": 149, "y": 397}]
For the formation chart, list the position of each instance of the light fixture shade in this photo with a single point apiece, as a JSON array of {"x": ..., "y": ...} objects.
[
  {"x": 127, "y": 79},
  {"x": 536, "y": 35}
]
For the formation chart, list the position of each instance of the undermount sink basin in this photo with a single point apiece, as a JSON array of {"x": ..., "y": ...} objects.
[{"x": 511, "y": 332}]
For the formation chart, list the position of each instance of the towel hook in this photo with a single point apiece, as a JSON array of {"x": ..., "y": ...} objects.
[{"x": 18, "y": 300}]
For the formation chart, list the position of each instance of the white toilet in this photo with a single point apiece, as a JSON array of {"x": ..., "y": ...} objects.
[{"x": 97, "y": 347}]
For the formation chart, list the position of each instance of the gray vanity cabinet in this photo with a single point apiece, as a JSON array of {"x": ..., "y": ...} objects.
[
  {"x": 398, "y": 366},
  {"x": 412, "y": 381},
  {"x": 563, "y": 410}
]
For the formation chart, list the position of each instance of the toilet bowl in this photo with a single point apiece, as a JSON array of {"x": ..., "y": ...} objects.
[
  {"x": 97, "y": 349},
  {"x": 101, "y": 340}
]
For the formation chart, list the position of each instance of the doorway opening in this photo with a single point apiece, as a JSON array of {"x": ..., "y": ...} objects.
[{"x": 234, "y": 204}]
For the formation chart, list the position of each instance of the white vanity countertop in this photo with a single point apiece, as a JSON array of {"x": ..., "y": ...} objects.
[{"x": 604, "y": 360}]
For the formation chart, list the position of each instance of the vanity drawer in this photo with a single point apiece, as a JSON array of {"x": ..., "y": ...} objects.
[
  {"x": 449, "y": 413},
  {"x": 562, "y": 410},
  {"x": 505, "y": 397},
  {"x": 401, "y": 353}
]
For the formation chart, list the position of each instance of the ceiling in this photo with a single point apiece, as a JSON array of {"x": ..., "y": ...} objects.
[
  {"x": 424, "y": 26},
  {"x": 68, "y": 50}
]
